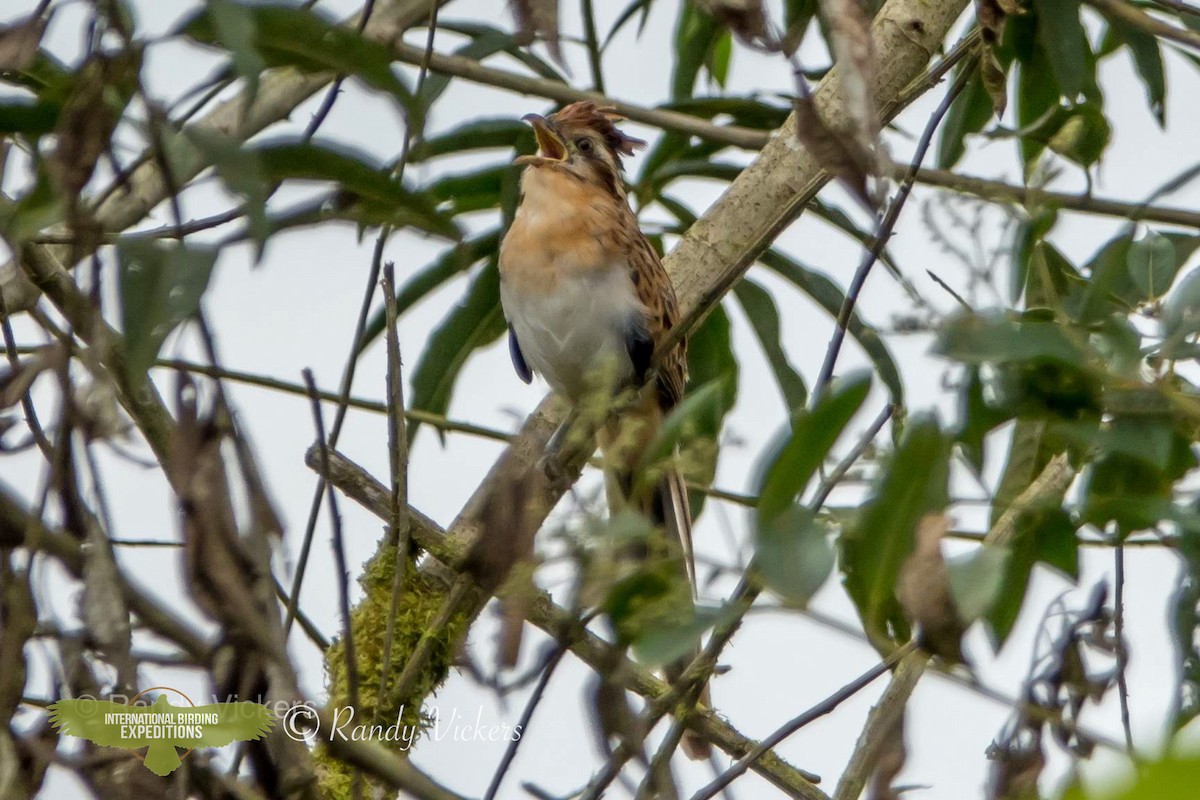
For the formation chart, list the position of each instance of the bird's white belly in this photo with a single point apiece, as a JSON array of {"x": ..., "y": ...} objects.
[{"x": 580, "y": 327}]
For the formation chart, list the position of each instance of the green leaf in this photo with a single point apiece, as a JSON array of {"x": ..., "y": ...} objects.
[
  {"x": 288, "y": 35},
  {"x": 913, "y": 484},
  {"x": 379, "y": 197},
  {"x": 698, "y": 415},
  {"x": 799, "y": 452},
  {"x": 1060, "y": 33},
  {"x": 976, "y": 579},
  {"x": 793, "y": 556},
  {"x": 39, "y": 207},
  {"x": 161, "y": 285},
  {"x": 475, "y": 322},
  {"x": 797, "y": 16},
  {"x": 1173, "y": 778},
  {"x": 1185, "y": 622},
  {"x": 1036, "y": 97},
  {"x": 1147, "y": 59},
  {"x": 32, "y": 118},
  {"x": 968, "y": 113},
  {"x": 641, "y": 7},
  {"x": 830, "y": 297},
  {"x": 1181, "y": 314},
  {"x": 1109, "y": 281},
  {"x": 760, "y": 310},
  {"x": 999, "y": 339},
  {"x": 454, "y": 261},
  {"x": 1185, "y": 244},
  {"x": 719, "y": 58},
  {"x": 234, "y": 28},
  {"x": 696, "y": 34},
  {"x": 977, "y": 419},
  {"x": 711, "y": 361},
  {"x": 1152, "y": 265},
  {"x": 471, "y": 191},
  {"x": 1131, "y": 481},
  {"x": 1083, "y": 136},
  {"x": 1045, "y": 535},
  {"x": 478, "y": 134},
  {"x": 679, "y": 636},
  {"x": 242, "y": 175}
]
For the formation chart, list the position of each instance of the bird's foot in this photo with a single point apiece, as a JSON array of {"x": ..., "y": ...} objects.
[{"x": 552, "y": 468}]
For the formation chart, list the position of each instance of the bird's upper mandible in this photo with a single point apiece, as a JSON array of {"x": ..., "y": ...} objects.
[{"x": 583, "y": 140}]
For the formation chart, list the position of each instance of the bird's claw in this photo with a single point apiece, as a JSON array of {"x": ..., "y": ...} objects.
[{"x": 554, "y": 472}]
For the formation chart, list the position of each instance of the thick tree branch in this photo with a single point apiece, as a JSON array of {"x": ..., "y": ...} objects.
[{"x": 449, "y": 552}]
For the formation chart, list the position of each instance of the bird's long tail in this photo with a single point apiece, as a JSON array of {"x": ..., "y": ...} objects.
[{"x": 666, "y": 506}]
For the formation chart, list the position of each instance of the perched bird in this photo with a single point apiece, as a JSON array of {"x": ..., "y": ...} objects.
[{"x": 586, "y": 295}]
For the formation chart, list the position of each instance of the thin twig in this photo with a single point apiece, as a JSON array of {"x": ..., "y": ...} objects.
[
  {"x": 999, "y": 191},
  {"x": 1122, "y": 653},
  {"x": 1131, "y": 15},
  {"x": 399, "y": 524},
  {"x": 822, "y": 708},
  {"x": 335, "y": 430},
  {"x": 595, "y": 55},
  {"x": 551, "y": 663},
  {"x": 880, "y": 722},
  {"x": 884, "y": 233},
  {"x": 331, "y": 95},
  {"x": 339, "y": 554},
  {"x": 437, "y": 421}
]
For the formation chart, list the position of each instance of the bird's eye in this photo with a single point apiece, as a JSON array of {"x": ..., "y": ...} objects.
[{"x": 584, "y": 145}]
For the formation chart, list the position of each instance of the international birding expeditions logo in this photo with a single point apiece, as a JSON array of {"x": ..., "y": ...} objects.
[{"x": 162, "y": 728}]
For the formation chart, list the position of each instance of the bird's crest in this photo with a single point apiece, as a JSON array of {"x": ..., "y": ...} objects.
[{"x": 586, "y": 114}]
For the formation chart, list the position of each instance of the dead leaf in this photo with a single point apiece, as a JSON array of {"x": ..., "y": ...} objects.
[
  {"x": 538, "y": 19},
  {"x": 992, "y": 15},
  {"x": 995, "y": 80},
  {"x": 19, "y": 42},
  {"x": 849, "y": 23},
  {"x": 505, "y": 540},
  {"x": 102, "y": 607},
  {"x": 923, "y": 589},
  {"x": 104, "y": 86},
  {"x": 890, "y": 761},
  {"x": 1016, "y": 768},
  {"x": 839, "y": 154},
  {"x": 613, "y": 716},
  {"x": 746, "y": 19}
]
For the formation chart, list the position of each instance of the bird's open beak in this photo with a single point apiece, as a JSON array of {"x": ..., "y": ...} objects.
[{"x": 551, "y": 147}]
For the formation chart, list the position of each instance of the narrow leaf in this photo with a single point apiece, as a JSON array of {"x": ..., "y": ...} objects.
[
  {"x": 914, "y": 484},
  {"x": 161, "y": 286},
  {"x": 475, "y": 322},
  {"x": 760, "y": 310}
]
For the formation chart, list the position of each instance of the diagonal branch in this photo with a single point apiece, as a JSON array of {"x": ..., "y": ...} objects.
[
  {"x": 717, "y": 250},
  {"x": 357, "y": 484}
]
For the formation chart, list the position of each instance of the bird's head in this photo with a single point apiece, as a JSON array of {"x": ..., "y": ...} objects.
[{"x": 582, "y": 139}]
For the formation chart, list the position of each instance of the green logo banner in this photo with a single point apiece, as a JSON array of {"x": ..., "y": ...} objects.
[{"x": 161, "y": 727}]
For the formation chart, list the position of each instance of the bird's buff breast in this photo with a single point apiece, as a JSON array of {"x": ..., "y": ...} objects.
[{"x": 570, "y": 302}]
